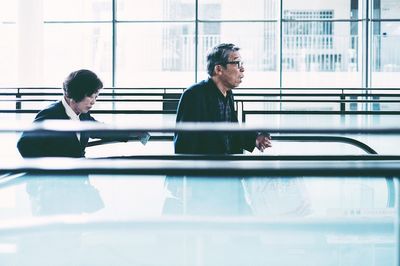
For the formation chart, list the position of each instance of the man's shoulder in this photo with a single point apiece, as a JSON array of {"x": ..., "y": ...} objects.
[{"x": 198, "y": 88}]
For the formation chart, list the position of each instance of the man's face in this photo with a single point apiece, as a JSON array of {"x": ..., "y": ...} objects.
[
  {"x": 85, "y": 105},
  {"x": 231, "y": 75}
]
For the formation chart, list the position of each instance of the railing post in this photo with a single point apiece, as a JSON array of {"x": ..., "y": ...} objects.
[
  {"x": 397, "y": 221},
  {"x": 242, "y": 114},
  {"x": 18, "y": 102},
  {"x": 342, "y": 102}
]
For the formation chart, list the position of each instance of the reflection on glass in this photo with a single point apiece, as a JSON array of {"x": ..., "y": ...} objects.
[
  {"x": 258, "y": 196},
  {"x": 57, "y": 195},
  {"x": 283, "y": 197},
  {"x": 222, "y": 221},
  {"x": 279, "y": 196},
  {"x": 204, "y": 196},
  {"x": 52, "y": 196}
]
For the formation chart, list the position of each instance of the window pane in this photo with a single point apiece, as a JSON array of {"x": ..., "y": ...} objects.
[
  {"x": 8, "y": 11},
  {"x": 155, "y": 10},
  {"x": 386, "y": 9},
  {"x": 321, "y": 54},
  {"x": 323, "y": 9},
  {"x": 8, "y": 43},
  {"x": 162, "y": 56},
  {"x": 386, "y": 54},
  {"x": 77, "y": 10},
  {"x": 258, "y": 49},
  {"x": 236, "y": 10},
  {"x": 74, "y": 46}
]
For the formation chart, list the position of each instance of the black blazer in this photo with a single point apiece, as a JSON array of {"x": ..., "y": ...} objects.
[
  {"x": 199, "y": 103},
  {"x": 64, "y": 144}
]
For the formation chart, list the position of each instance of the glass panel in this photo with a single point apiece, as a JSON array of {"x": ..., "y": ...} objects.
[
  {"x": 386, "y": 9},
  {"x": 158, "y": 220},
  {"x": 258, "y": 45},
  {"x": 8, "y": 54},
  {"x": 75, "y": 46},
  {"x": 321, "y": 9},
  {"x": 8, "y": 43},
  {"x": 8, "y": 11},
  {"x": 71, "y": 10},
  {"x": 162, "y": 56},
  {"x": 205, "y": 196},
  {"x": 155, "y": 10},
  {"x": 385, "y": 54},
  {"x": 321, "y": 54},
  {"x": 236, "y": 10}
]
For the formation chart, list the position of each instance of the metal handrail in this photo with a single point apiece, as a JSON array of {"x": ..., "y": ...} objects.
[{"x": 212, "y": 168}]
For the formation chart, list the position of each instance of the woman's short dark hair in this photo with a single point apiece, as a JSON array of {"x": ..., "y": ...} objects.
[
  {"x": 80, "y": 84},
  {"x": 219, "y": 55}
]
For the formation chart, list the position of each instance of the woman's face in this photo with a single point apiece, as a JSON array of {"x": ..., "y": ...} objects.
[{"x": 85, "y": 105}]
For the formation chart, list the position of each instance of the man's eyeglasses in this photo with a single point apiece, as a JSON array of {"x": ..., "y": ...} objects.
[{"x": 238, "y": 63}]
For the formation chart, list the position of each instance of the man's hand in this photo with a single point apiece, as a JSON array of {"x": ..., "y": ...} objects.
[{"x": 263, "y": 141}]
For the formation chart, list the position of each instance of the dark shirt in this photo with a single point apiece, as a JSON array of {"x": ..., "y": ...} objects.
[{"x": 225, "y": 115}]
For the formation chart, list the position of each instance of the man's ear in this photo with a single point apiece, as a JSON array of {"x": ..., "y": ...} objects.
[{"x": 217, "y": 69}]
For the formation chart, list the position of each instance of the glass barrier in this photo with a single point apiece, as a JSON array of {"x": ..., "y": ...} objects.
[{"x": 116, "y": 217}]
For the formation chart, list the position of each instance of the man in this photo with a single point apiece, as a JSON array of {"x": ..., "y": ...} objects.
[
  {"x": 80, "y": 89},
  {"x": 211, "y": 100}
]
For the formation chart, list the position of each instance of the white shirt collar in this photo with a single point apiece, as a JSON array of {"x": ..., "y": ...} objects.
[
  {"x": 68, "y": 110},
  {"x": 71, "y": 114}
]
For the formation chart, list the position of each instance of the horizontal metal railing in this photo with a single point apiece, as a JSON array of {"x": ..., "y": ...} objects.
[{"x": 342, "y": 100}]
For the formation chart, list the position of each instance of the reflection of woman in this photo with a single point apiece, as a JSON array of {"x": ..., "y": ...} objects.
[
  {"x": 57, "y": 195},
  {"x": 277, "y": 196}
]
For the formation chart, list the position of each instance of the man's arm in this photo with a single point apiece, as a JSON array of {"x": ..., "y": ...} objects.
[{"x": 186, "y": 142}]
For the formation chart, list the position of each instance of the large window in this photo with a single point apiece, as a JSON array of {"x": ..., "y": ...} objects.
[
  {"x": 8, "y": 43},
  {"x": 163, "y": 43},
  {"x": 385, "y": 63}
]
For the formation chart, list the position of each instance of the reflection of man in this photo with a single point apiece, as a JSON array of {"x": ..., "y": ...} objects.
[
  {"x": 277, "y": 196},
  {"x": 81, "y": 89},
  {"x": 211, "y": 100}
]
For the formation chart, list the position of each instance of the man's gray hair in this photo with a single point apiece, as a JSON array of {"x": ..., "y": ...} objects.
[{"x": 219, "y": 55}]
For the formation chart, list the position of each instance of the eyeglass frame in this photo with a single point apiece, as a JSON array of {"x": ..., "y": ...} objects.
[{"x": 238, "y": 63}]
